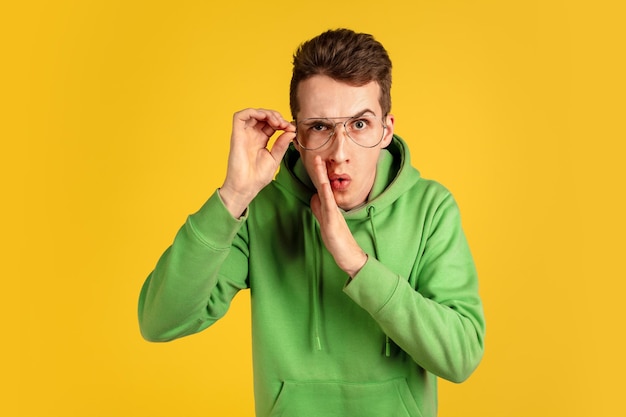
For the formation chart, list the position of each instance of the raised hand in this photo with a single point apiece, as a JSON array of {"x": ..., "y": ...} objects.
[
  {"x": 251, "y": 165},
  {"x": 335, "y": 232}
]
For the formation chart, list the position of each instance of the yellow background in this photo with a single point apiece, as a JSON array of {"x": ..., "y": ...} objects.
[{"x": 115, "y": 122}]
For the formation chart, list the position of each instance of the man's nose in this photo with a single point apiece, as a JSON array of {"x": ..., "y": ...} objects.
[{"x": 338, "y": 151}]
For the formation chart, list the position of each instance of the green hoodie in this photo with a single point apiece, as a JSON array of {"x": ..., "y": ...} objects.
[{"x": 325, "y": 345}]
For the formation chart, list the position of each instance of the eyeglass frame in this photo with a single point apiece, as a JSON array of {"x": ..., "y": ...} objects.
[{"x": 345, "y": 129}]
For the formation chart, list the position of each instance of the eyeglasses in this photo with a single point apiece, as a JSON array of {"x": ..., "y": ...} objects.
[{"x": 313, "y": 133}]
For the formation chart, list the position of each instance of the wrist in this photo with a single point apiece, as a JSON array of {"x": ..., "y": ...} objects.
[
  {"x": 236, "y": 203},
  {"x": 357, "y": 265}
]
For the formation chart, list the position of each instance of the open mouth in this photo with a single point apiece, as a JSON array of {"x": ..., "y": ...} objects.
[{"x": 339, "y": 182}]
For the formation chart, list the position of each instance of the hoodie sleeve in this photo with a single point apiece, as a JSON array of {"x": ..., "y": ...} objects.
[
  {"x": 440, "y": 321},
  {"x": 197, "y": 277}
]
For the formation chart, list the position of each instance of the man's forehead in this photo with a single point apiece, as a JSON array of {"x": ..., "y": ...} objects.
[{"x": 322, "y": 96}]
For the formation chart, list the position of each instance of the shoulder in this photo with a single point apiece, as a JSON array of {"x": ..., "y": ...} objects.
[{"x": 428, "y": 190}]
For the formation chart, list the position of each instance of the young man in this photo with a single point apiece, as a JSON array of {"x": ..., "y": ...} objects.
[{"x": 363, "y": 288}]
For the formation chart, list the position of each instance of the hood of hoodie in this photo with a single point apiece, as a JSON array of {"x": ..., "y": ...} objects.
[{"x": 394, "y": 176}]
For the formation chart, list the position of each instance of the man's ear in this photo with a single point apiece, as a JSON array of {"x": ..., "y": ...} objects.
[{"x": 389, "y": 121}]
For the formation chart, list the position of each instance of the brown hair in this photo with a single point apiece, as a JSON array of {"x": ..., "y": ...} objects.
[{"x": 344, "y": 55}]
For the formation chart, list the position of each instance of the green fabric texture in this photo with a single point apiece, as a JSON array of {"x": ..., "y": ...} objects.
[{"x": 324, "y": 345}]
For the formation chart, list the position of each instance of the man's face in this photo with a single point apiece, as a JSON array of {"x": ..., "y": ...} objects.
[{"x": 351, "y": 168}]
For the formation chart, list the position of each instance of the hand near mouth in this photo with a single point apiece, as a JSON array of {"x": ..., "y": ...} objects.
[{"x": 335, "y": 232}]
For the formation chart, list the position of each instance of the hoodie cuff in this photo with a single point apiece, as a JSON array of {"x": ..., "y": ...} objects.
[
  {"x": 213, "y": 223},
  {"x": 373, "y": 286}
]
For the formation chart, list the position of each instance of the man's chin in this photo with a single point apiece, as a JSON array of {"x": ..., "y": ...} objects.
[{"x": 344, "y": 203}]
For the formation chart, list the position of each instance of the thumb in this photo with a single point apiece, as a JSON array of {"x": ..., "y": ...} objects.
[
  {"x": 281, "y": 145},
  {"x": 316, "y": 206}
]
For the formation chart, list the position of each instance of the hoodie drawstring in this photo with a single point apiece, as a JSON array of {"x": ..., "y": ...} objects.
[
  {"x": 315, "y": 301},
  {"x": 371, "y": 210}
]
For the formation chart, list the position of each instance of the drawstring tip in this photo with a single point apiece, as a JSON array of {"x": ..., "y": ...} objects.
[
  {"x": 318, "y": 343},
  {"x": 387, "y": 347}
]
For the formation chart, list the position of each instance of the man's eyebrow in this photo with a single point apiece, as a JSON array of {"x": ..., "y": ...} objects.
[
  {"x": 359, "y": 114},
  {"x": 364, "y": 112}
]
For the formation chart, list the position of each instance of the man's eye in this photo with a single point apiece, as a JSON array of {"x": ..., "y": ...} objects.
[
  {"x": 318, "y": 127},
  {"x": 359, "y": 124}
]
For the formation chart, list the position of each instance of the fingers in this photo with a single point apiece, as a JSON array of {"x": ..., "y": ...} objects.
[
  {"x": 327, "y": 198},
  {"x": 268, "y": 121},
  {"x": 324, "y": 206},
  {"x": 322, "y": 183},
  {"x": 320, "y": 174}
]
